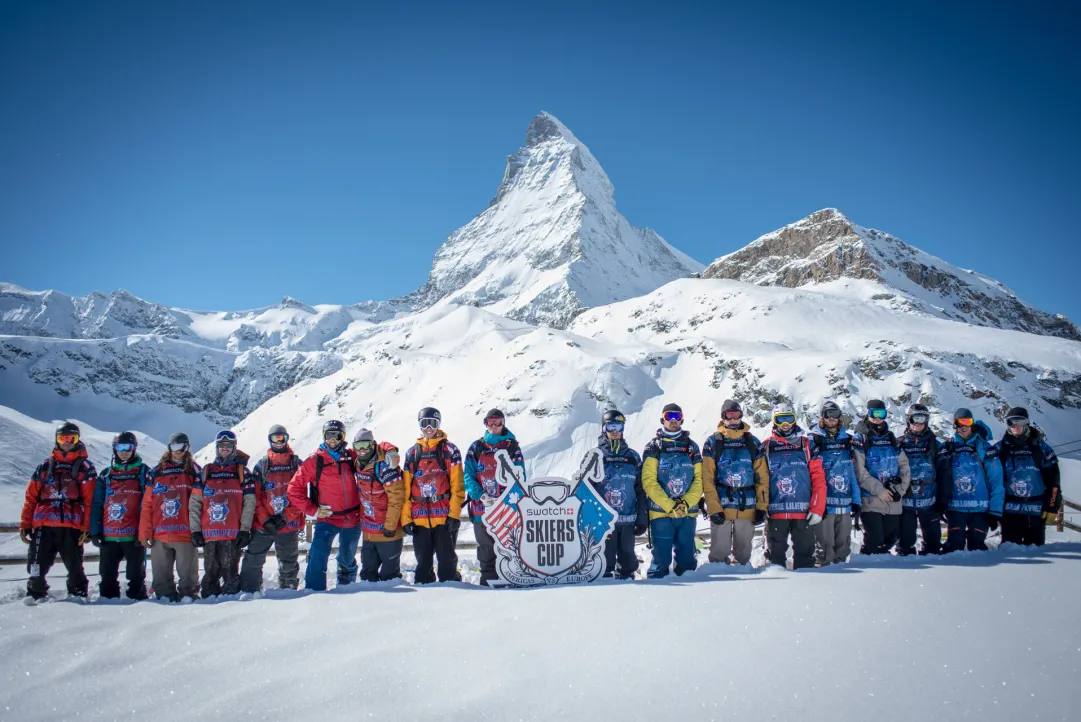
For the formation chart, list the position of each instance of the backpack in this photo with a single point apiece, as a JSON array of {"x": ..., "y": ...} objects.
[
  {"x": 440, "y": 457},
  {"x": 294, "y": 464},
  {"x": 75, "y": 469}
]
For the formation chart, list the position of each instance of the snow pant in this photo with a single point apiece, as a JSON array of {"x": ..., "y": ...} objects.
[
  {"x": 731, "y": 537},
  {"x": 672, "y": 536},
  {"x": 315, "y": 576},
  {"x": 619, "y": 557},
  {"x": 803, "y": 542},
  {"x": 833, "y": 538},
  {"x": 436, "y": 541},
  {"x": 1027, "y": 529},
  {"x": 930, "y": 525},
  {"x": 134, "y": 554},
  {"x": 880, "y": 532},
  {"x": 486, "y": 556},
  {"x": 381, "y": 560},
  {"x": 45, "y": 544},
  {"x": 966, "y": 529},
  {"x": 186, "y": 557},
  {"x": 285, "y": 546},
  {"x": 221, "y": 562}
]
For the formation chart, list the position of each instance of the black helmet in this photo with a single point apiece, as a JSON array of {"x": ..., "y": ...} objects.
[
  {"x": 125, "y": 437},
  {"x": 179, "y": 437},
  {"x": 613, "y": 415},
  {"x": 334, "y": 425},
  {"x": 430, "y": 412},
  {"x": 67, "y": 427},
  {"x": 832, "y": 407}
]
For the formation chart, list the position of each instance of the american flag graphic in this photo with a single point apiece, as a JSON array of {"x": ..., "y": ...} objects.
[{"x": 502, "y": 521}]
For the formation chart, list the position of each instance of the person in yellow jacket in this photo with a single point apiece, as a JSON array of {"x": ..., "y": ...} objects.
[
  {"x": 672, "y": 480},
  {"x": 735, "y": 482},
  {"x": 434, "y": 484},
  {"x": 382, "y": 495}
]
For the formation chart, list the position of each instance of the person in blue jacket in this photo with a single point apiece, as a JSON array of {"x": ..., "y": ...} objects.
[
  {"x": 1031, "y": 480},
  {"x": 970, "y": 484},
  {"x": 833, "y": 535},
  {"x": 622, "y": 489},
  {"x": 921, "y": 502},
  {"x": 114, "y": 519},
  {"x": 483, "y": 484}
]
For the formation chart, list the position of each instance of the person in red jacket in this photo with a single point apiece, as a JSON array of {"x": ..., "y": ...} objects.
[
  {"x": 276, "y": 520},
  {"x": 797, "y": 490},
  {"x": 220, "y": 513},
  {"x": 56, "y": 514},
  {"x": 325, "y": 487},
  {"x": 163, "y": 525}
]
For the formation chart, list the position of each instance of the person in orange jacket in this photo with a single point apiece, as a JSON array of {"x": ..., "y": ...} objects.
[
  {"x": 56, "y": 514},
  {"x": 164, "y": 527},
  {"x": 433, "y": 478},
  {"x": 382, "y": 493}
]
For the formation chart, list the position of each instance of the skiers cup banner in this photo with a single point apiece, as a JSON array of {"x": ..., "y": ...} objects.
[{"x": 551, "y": 530}]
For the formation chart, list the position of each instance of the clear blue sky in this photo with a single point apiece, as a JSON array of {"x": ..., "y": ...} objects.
[{"x": 222, "y": 155}]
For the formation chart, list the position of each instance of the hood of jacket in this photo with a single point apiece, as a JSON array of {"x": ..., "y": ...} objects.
[
  {"x": 236, "y": 457},
  {"x": 426, "y": 443},
  {"x": 842, "y": 432},
  {"x": 733, "y": 433},
  {"x": 493, "y": 439}
]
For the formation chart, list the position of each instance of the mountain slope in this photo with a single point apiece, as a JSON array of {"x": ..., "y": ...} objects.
[{"x": 827, "y": 248}]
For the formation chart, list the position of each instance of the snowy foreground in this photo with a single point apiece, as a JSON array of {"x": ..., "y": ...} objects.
[{"x": 985, "y": 636}]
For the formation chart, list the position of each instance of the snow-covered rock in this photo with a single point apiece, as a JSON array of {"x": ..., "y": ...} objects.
[{"x": 827, "y": 249}]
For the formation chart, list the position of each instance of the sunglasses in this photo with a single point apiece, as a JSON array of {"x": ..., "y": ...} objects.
[
  {"x": 964, "y": 422},
  {"x": 333, "y": 436},
  {"x": 614, "y": 426},
  {"x": 363, "y": 445},
  {"x": 733, "y": 415},
  {"x": 279, "y": 438},
  {"x": 67, "y": 439},
  {"x": 123, "y": 447},
  {"x": 429, "y": 423},
  {"x": 831, "y": 414},
  {"x": 673, "y": 416},
  {"x": 877, "y": 413},
  {"x": 1019, "y": 421},
  {"x": 784, "y": 419},
  {"x": 918, "y": 419},
  {"x": 178, "y": 447}
]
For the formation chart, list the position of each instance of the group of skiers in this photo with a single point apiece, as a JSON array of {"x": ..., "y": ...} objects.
[{"x": 808, "y": 486}]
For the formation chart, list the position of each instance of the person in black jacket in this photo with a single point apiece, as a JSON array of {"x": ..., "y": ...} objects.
[{"x": 1030, "y": 475}]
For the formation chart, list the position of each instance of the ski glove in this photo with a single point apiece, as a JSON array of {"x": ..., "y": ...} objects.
[
  {"x": 895, "y": 490},
  {"x": 813, "y": 519},
  {"x": 453, "y": 525},
  {"x": 992, "y": 522},
  {"x": 856, "y": 509},
  {"x": 243, "y": 538},
  {"x": 717, "y": 518},
  {"x": 1050, "y": 517},
  {"x": 97, "y": 540},
  {"x": 273, "y": 524},
  {"x": 640, "y": 529},
  {"x": 759, "y": 516},
  {"x": 25, "y": 534},
  {"x": 197, "y": 539},
  {"x": 409, "y": 528},
  {"x": 389, "y": 532},
  {"x": 856, "y": 522}
]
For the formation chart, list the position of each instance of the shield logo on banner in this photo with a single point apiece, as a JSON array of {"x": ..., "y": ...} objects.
[
  {"x": 551, "y": 530},
  {"x": 170, "y": 508},
  {"x": 116, "y": 512},
  {"x": 219, "y": 512}
]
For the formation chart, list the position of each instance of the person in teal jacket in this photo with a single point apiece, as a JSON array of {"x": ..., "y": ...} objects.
[
  {"x": 482, "y": 480},
  {"x": 114, "y": 519},
  {"x": 970, "y": 482}
]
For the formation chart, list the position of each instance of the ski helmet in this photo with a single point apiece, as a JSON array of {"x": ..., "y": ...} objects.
[
  {"x": 918, "y": 410},
  {"x": 613, "y": 415},
  {"x": 179, "y": 439},
  {"x": 830, "y": 409},
  {"x": 125, "y": 437},
  {"x": 277, "y": 430},
  {"x": 334, "y": 425},
  {"x": 225, "y": 437},
  {"x": 67, "y": 428},
  {"x": 494, "y": 414},
  {"x": 430, "y": 412}
]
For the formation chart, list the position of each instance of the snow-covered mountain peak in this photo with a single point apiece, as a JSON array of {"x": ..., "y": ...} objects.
[{"x": 829, "y": 251}]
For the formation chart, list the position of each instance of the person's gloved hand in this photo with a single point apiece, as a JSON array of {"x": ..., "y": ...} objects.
[
  {"x": 97, "y": 539},
  {"x": 453, "y": 525},
  {"x": 25, "y": 534},
  {"x": 717, "y": 518},
  {"x": 759, "y": 516},
  {"x": 856, "y": 522},
  {"x": 488, "y": 501},
  {"x": 273, "y": 524},
  {"x": 388, "y": 533},
  {"x": 409, "y": 528},
  {"x": 895, "y": 490},
  {"x": 197, "y": 539},
  {"x": 148, "y": 543},
  {"x": 992, "y": 522},
  {"x": 1050, "y": 518},
  {"x": 640, "y": 529},
  {"x": 813, "y": 519},
  {"x": 84, "y": 537},
  {"x": 243, "y": 538},
  {"x": 856, "y": 509}
]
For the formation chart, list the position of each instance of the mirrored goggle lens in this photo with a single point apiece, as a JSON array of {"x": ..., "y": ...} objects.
[
  {"x": 493, "y": 420},
  {"x": 831, "y": 414},
  {"x": 877, "y": 413},
  {"x": 67, "y": 439},
  {"x": 733, "y": 415},
  {"x": 124, "y": 447},
  {"x": 333, "y": 436},
  {"x": 673, "y": 416},
  {"x": 784, "y": 419},
  {"x": 918, "y": 419},
  {"x": 614, "y": 426},
  {"x": 178, "y": 447},
  {"x": 1017, "y": 421},
  {"x": 279, "y": 438},
  {"x": 429, "y": 423},
  {"x": 964, "y": 422},
  {"x": 226, "y": 443},
  {"x": 363, "y": 445}
]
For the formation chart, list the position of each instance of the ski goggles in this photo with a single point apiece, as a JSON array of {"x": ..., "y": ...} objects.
[
  {"x": 964, "y": 422},
  {"x": 494, "y": 421},
  {"x": 364, "y": 445},
  {"x": 613, "y": 426},
  {"x": 279, "y": 438},
  {"x": 831, "y": 414},
  {"x": 1017, "y": 421},
  {"x": 919, "y": 419},
  {"x": 333, "y": 435},
  {"x": 123, "y": 447},
  {"x": 733, "y": 415},
  {"x": 429, "y": 423},
  {"x": 673, "y": 416},
  {"x": 877, "y": 414},
  {"x": 67, "y": 439},
  {"x": 784, "y": 419},
  {"x": 178, "y": 447}
]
